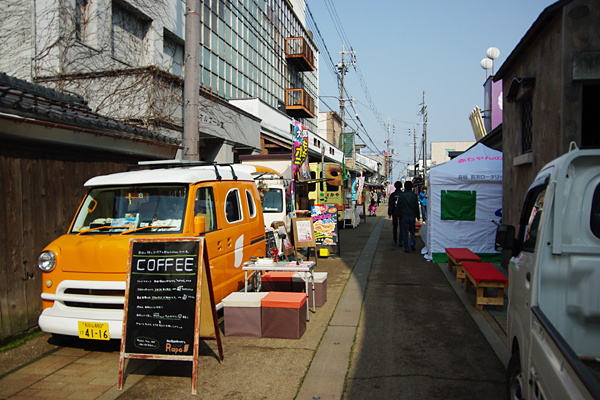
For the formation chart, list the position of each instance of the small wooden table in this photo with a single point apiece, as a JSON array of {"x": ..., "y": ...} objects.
[
  {"x": 456, "y": 256},
  {"x": 482, "y": 276}
]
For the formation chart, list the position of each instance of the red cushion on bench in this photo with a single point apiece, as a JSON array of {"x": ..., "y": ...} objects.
[
  {"x": 463, "y": 254},
  {"x": 484, "y": 272}
]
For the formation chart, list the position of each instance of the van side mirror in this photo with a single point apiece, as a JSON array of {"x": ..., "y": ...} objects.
[
  {"x": 199, "y": 225},
  {"x": 505, "y": 238}
]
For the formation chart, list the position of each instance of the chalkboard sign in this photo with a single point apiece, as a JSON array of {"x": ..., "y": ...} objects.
[
  {"x": 169, "y": 302},
  {"x": 161, "y": 313}
]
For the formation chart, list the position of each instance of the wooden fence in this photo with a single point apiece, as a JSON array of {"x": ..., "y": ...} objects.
[{"x": 40, "y": 191}]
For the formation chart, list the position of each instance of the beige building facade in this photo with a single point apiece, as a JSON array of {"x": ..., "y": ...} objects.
[{"x": 440, "y": 150}]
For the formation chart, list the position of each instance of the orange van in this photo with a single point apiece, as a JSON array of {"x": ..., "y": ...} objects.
[{"x": 84, "y": 271}]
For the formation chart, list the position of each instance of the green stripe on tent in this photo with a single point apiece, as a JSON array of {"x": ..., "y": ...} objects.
[{"x": 485, "y": 257}]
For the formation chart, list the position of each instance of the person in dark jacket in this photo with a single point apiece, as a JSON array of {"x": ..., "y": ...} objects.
[
  {"x": 394, "y": 210},
  {"x": 409, "y": 209}
]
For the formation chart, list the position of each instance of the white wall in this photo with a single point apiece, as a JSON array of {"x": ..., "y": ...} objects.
[{"x": 439, "y": 150}]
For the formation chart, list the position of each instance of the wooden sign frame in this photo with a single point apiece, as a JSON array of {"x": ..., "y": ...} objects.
[
  {"x": 205, "y": 326},
  {"x": 304, "y": 235}
]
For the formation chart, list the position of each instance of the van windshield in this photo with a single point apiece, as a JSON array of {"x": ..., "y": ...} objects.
[
  {"x": 272, "y": 200},
  {"x": 143, "y": 209}
]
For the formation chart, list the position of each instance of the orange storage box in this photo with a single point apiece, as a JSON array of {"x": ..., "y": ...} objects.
[
  {"x": 277, "y": 281},
  {"x": 283, "y": 315}
]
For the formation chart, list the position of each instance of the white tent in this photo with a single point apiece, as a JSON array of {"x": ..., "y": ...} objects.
[{"x": 464, "y": 197}]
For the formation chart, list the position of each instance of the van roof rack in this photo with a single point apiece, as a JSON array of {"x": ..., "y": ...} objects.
[
  {"x": 156, "y": 164},
  {"x": 171, "y": 163}
]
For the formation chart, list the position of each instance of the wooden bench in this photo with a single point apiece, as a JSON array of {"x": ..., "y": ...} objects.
[
  {"x": 456, "y": 256},
  {"x": 482, "y": 276}
]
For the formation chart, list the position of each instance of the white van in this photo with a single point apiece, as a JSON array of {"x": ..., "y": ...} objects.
[
  {"x": 275, "y": 204},
  {"x": 554, "y": 283}
]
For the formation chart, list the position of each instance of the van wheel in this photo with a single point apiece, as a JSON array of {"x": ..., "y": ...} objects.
[{"x": 515, "y": 380}]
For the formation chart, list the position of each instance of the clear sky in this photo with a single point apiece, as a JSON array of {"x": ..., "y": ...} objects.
[{"x": 406, "y": 47}]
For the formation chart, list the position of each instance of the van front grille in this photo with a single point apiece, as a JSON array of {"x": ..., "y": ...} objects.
[{"x": 74, "y": 292}]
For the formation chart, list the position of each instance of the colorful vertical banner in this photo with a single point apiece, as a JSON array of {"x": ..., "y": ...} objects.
[
  {"x": 300, "y": 170},
  {"x": 361, "y": 185}
]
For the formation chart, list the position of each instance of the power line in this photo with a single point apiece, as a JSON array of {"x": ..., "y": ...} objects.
[
  {"x": 329, "y": 60},
  {"x": 336, "y": 22},
  {"x": 342, "y": 34}
]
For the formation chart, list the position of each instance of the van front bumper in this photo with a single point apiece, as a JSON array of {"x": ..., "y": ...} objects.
[
  {"x": 52, "y": 322},
  {"x": 71, "y": 306}
]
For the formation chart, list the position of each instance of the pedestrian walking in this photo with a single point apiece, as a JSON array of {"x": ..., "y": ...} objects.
[
  {"x": 372, "y": 207},
  {"x": 409, "y": 209},
  {"x": 394, "y": 211},
  {"x": 423, "y": 201}
]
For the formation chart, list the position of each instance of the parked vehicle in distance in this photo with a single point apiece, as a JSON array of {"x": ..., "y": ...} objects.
[
  {"x": 330, "y": 192},
  {"x": 554, "y": 283},
  {"x": 273, "y": 197},
  {"x": 84, "y": 271}
]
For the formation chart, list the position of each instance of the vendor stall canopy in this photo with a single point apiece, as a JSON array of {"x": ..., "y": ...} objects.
[{"x": 464, "y": 198}]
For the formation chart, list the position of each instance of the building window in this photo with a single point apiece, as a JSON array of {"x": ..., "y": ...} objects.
[
  {"x": 526, "y": 124},
  {"x": 129, "y": 29},
  {"x": 173, "y": 49},
  {"x": 80, "y": 19}
]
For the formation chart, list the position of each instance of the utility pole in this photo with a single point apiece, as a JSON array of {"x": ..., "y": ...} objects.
[
  {"x": 424, "y": 113},
  {"x": 191, "y": 86},
  {"x": 414, "y": 135},
  {"x": 388, "y": 156},
  {"x": 342, "y": 71}
]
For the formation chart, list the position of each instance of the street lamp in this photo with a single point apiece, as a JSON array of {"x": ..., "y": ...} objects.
[
  {"x": 492, "y": 54},
  {"x": 486, "y": 64}
]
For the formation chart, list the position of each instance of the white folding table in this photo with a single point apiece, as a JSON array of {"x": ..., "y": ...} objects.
[{"x": 305, "y": 266}]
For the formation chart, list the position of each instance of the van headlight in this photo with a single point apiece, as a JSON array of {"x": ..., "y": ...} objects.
[{"x": 46, "y": 261}]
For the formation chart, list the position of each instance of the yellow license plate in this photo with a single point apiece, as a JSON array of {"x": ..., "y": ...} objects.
[{"x": 93, "y": 330}]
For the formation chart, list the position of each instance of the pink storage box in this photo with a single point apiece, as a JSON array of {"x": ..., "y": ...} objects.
[
  {"x": 283, "y": 315},
  {"x": 298, "y": 285},
  {"x": 242, "y": 315}
]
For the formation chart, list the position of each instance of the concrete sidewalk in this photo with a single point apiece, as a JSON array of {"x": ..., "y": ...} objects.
[{"x": 394, "y": 326}]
